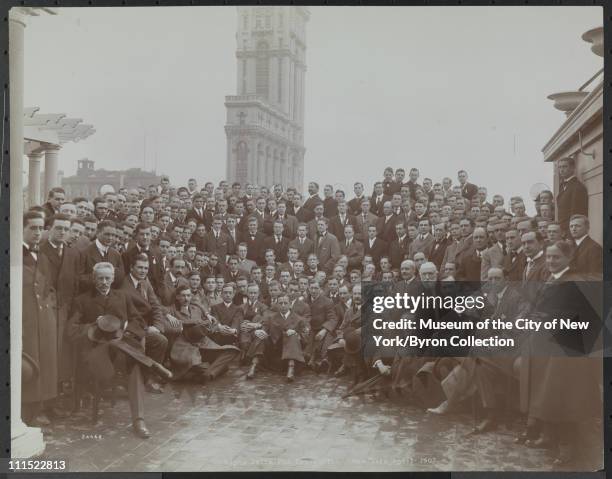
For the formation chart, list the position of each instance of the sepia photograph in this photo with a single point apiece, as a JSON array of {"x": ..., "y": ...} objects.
[{"x": 202, "y": 199}]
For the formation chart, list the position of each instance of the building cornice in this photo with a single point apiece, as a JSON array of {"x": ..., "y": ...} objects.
[{"x": 589, "y": 110}]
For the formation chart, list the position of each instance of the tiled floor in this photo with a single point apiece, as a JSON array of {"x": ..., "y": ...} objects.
[{"x": 266, "y": 424}]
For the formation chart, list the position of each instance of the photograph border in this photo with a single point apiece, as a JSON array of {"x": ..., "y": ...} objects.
[{"x": 5, "y": 205}]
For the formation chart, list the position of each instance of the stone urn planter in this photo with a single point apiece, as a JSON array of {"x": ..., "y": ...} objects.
[
  {"x": 567, "y": 101},
  {"x": 595, "y": 36}
]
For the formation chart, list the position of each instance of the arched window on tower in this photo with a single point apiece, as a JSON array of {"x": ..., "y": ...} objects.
[{"x": 262, "y": 70}]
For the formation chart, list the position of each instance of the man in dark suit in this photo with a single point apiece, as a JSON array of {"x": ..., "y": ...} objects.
[
  {"x": 254, "y": 240},
  {"x": 314, "y": 199},
  {"x": 437, "y": 250},
  {"x": 374, "y": 246},
  {"x": 468, "y": 190},
  {"x": 290, "y": 222},
  {"x": 323, "y": 323},
  {"x": 158, "y": 327},
  {"x": 515, "y": 261},
  {"x": 216, "y": 240},
  {"x": 326, "y": 246},
  {"x": 354, "y": 205},
  {"x": 588, "y": 255},
  {"x": 339, "y": 221},
  {"x": 102, "y": 300},
  {"x": 363, "y": 221},
  {"x": 377, "y": 199},
  {"x": 302, "y": 243},
  {"x": 142, "y": 234},
  {"x": 572, "y": 198},
  {"x": 63, "y": 276},
  {"x": 330, "y": 205},
  {"x": 197, "y": 212},
  {"x": 303, "y": 215},
  {"x": 386, "y": 223},
  {"x": 100, "y": 251},
  {"x": 277, "y": 242},
  {"x": 229, "y": 316},
  {"x": 398, "y": 248},
  {"x": 351, "y": 248}
]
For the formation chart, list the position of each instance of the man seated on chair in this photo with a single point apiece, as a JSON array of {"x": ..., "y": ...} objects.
[{"x": 102, "y": 300}]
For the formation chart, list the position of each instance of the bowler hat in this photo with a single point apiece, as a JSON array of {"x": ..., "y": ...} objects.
[{"x": 106, "y": 328}]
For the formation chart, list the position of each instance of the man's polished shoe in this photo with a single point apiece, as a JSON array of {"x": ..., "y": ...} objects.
[
  {"x": 140, "y": 429},
  {"x": 341, "y": 371},
  {"x": 153, "y": 387},
  {"x": 291, "y": 374}
]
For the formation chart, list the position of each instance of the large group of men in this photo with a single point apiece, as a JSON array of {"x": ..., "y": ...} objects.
[{"x": 160, "y": 283}]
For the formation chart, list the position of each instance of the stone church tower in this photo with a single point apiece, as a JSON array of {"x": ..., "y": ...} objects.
[{"x": 265, "y": 120}]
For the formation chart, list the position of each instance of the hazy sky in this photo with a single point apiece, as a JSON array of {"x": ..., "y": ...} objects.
[{"x": 435, "y": 88}]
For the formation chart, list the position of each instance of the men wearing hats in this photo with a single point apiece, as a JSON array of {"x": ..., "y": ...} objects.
[
  {"x": 99, "y": 301},
  {"x": 39, "y": 327}
]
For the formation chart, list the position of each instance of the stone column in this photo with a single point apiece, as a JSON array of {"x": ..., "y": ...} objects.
[
  {"x": 25, "y": 441},
  {"x": 34, "y": 179},
  {"x": 51, "y": 160}
]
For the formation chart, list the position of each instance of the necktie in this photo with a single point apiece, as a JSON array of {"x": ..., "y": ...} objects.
[
  {"x": 347, "y": 243},
  {"x": 142, "y": 290}
]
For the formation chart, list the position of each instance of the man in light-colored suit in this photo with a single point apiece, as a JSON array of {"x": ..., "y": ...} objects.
[
  {"x": 326, "y": 245},
  {"x": 244, "y": 264}
]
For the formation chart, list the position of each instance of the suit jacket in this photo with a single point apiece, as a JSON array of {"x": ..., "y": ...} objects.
[
  {"x": 327, "y": 250},
  {"x": 313, "y": 231},
  {"x": 469, "y": 266},
  {"x": 264, "y": 223},
  {"x": 469, "y": 190},
  {"x": 450, "y": 252},
  {"x": 361, "y": 226},
  {"x": 280, "y": 248},
  {"x": 354, "y": 206},
  {"x": 330, "y": 207},
  {"x": 336, "y": 225},
  {"x": 378, "y": 249},
  {"x": 386, "y": 228},
  {"x": 155, "y": 274},
  {"x": 89, "y": 257},
  {"x": 572, "y": 199},
  {"x": 311, "y": 202},
  {"x": 538, "y": 271},
  {"x": 354, "y": 253},
  {"x": 234, "y": 240},
  {"x": 437, "y": 252},
  {"x": 193, "y": 214},
  {"x": 63, "y": 274},
  {"x": 91, "y": 304},
  {"x": 220, "y": 246},
  {"x": 303, "y": 215},
  {"x": 291, "y": 225},
  {"x": 168, "y": 287},
  {"x": 303, "y": 249},
  {"x": 376, "y": 206},
  {"x": 419, "y": 245},
  {"x": 230, "y": 316},
  {"x": 255, "y": 247},
  {"x": 588, "y": 259},
  {"x": 398, "y": 251},
  {"x": 302, "y": 309},
  {"x": 322, "y": 314},
  {"x": 148, "y": 306},
  {"x": 515, "y": 266},
  {"x": 492, "y": 257},
  {"x": 246, "y": 266}
]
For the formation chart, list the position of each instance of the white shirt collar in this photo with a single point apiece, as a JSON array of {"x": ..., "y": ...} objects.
[
  {"x": 101, "y": 248},
  {"x": 134, "y": 281},
  {"x": 580, "y": 240},
  {"x": 560, "y": 273}
]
